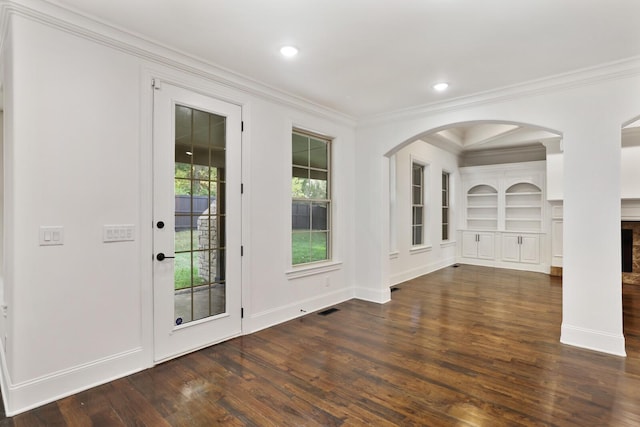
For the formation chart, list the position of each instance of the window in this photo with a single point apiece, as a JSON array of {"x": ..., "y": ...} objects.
[
  {"x": 310, "y": 198},
  {"x": 417, "y": 214},
  {"x": 445, "y": 206}
]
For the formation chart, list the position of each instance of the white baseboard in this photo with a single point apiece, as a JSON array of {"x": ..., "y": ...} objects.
[
  {"x": 593, "y": 340},
  {"x": 538, "y": 268},
  {"x": 268, "y": 318},
  {"x": 5, "y": 380},
  {"x": 30, "y": 394},
  {"x": 420, "y": 271},
  {"x": 379, "y": 296}
]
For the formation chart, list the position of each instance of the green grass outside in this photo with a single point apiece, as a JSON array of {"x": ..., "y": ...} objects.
[
  {"x": 184, "y": 265},
  {"x": 308, "y": 247}
]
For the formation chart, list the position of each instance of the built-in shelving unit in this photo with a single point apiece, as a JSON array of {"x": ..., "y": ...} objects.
[
  {"x": 523, "y": 208},
  {"x": 505, "y": 210},
  {"x": 482, "y": 208}
]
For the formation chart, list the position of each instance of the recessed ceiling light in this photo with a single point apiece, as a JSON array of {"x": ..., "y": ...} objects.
[
  {"x": 288, "y": 51},
  {"x": 440, "y": 86}
]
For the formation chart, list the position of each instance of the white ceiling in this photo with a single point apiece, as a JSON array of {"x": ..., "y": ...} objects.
[{"x": 365, "y": 57}]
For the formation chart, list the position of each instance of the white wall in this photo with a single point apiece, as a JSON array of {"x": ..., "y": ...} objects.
[
  {"x": 77, "y": 154},
  {"x": 588, "y": 111},
  {"x": 407, "y": 262},
  {"x": 630, "y": 173}
]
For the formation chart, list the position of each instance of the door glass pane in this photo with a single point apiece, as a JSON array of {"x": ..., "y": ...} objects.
[{"x": 199, "y": 285}]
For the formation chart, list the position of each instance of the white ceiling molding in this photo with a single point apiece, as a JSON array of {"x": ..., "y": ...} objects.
[
  {"x": 156, "y": 44},
  {"x": 631, "y": 136},
  {"x": 578, "y": 78},
  {"x": 83, "y": 26},
  {"x": 484, "y": 133}
]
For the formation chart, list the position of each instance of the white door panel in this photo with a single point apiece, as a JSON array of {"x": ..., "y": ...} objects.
[{"x": 197, "y": 227}]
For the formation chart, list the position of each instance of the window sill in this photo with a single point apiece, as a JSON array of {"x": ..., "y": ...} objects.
[
  {"x": 394, "y": 254},
  {"x": 420, "y": 249},
  {"x": 448, "y": 243},
  {"x": 311, "y": 270}
]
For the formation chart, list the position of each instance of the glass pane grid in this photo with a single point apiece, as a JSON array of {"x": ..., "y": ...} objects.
[
  {"x": 310, "y": 193},
  {"x": 417, "y": 211},
  {"x": 199, "y": 239}
]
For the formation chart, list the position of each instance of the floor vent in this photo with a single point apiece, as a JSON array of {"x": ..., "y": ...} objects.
[
  {"x": 328, "y": 311},
  {"x": 395, "y": 289}
]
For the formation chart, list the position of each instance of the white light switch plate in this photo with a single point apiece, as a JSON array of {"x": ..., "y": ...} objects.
[{"x": 51, "y": 235}]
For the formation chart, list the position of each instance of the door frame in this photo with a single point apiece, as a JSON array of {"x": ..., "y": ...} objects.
[{"x": 146, "y": 229}]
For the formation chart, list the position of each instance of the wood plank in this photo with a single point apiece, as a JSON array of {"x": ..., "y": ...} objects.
[{"x": 462, "y": 346}]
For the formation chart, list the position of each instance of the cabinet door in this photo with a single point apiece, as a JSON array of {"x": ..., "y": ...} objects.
[
  {"x": 530, "y": 249},
  {"x": 469, "y": 244},
  {"x": 486, "y": 246},
  {"x": 511, "y": 247}
]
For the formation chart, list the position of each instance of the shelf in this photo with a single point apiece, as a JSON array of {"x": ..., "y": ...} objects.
[
  {"x": 482, "y": 194},
  {"x": 524, "y": 207},
  {"x": 529, "y": 193}
]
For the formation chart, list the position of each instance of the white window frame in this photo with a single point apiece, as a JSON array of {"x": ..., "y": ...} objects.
[
  {"x": 446, "y": 204},
  {"x": 421, "y": 203},
  {"x": 311, "y": 265}
]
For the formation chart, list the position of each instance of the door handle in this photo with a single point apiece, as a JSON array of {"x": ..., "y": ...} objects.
[{"x": 161, "y": 256}]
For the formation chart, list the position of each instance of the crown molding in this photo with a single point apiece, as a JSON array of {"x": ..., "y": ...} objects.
[
  {"x": 74, "y": 22},
  {"x": 53, "y": 14},
  {"x": 578, "y": 78}
]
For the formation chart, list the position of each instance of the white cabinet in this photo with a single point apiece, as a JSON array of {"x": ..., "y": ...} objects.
[
  {"x": 479, "y": 245},
  {"x": 523, "y": 248},
  {"x": 505, "y": 216}
]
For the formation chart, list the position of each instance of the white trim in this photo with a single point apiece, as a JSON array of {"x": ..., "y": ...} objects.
[
  {"x": 39, "y": 391},
  {"x": 447, "y": 243},
  {"x": 593, "y": 340},
  {"x": 313, "y": 269},
  {"x": 564, "y": 81},
  {"x": 394, "y": 254},
  {"x": 420, "y": 271},
  {"x": 275, "y": 316},
  {"x": 420, "y": 249},
  {"x": 87, "y": 27},
  {"x": 630, "y": 210},
  {"x": 379, "y": 296},
  {"x": 507, "y": 265}
]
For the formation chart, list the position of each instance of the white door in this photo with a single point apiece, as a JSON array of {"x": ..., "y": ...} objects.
[
  {"x": 486, "y": 246},
  {"x": 511, "y": 247},
  {"x": 469, "y": 244},
  {"x": 197, "y": 227},
  {"x": 530, "y": 249}
]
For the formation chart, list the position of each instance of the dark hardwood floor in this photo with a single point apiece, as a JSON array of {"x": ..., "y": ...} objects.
[{"x": 467, "y": 346}]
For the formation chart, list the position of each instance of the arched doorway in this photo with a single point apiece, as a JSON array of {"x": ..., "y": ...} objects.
[{"x": 427, "y": 208}]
